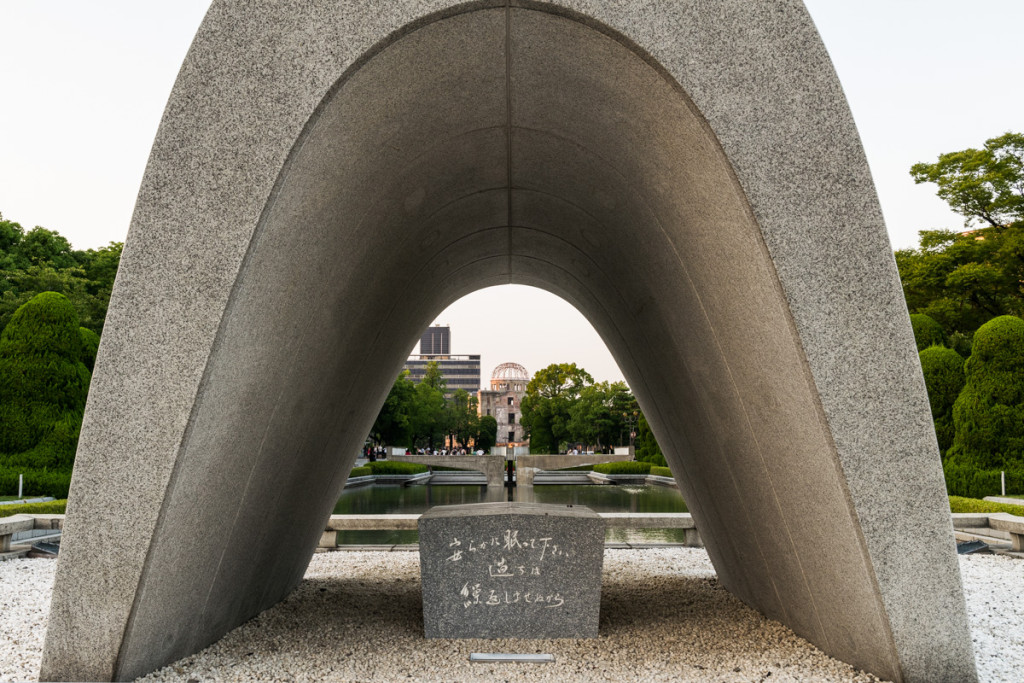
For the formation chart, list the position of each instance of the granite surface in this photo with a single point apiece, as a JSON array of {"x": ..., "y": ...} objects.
[{"x": 511, "y": 570}]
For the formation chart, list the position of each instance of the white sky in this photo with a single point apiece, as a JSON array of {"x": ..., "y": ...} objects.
[{"x": 84, "y": 85}]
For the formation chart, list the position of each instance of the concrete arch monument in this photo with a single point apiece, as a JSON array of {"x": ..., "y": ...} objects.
[{"x": 329, "y": 175}]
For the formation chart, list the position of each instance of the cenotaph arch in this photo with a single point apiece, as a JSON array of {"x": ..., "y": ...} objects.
[{"x": 329, "y": 175}]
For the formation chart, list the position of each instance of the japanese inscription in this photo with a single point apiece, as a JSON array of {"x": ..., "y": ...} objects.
[{"x": 511, "y": 570}]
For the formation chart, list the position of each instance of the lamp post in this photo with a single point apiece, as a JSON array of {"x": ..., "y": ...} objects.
[{"x": 631, "y": 419}]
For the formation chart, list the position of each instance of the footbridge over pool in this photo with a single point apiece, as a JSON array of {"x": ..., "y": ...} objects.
[{"x": 493, "y": 466}]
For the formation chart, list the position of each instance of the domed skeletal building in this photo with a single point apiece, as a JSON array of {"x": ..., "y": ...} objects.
[{"x": 502, "y": 401}]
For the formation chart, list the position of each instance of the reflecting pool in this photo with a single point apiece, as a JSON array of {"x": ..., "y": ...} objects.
[{"x": 383, "y": 500}]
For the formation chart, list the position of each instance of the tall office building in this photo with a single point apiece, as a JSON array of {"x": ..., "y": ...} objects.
[
  {"x": 436, "y": 341},
  {"x": 460, "y": 372}
]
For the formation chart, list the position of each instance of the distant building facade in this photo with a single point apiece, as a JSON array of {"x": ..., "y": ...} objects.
[
  {"x": 503, "y": 401},
  {"x": 436, "y": 341},
  {"x": 460, "y": 372}
]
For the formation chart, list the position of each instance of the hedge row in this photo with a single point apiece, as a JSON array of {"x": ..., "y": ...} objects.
[
  {"x": 960, "y": 504},
  {"x": 969, "y": 482},
  {"x": 360, "y": 472},
  {"x": 661, "y": 472},
  {"x": 54, "y": 507},
  {"x": 395, "y": 467},
  {"x": 37, "y": 482},
  {"x": 625, "y": 467}
]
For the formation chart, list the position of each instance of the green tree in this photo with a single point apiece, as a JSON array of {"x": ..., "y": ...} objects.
[
  {"x": 964, "y": 279},
  {"x": 462, "y": 420},
  {"x": 983, "y": 185},
  {"x": 545, "y": 407},
  {"x": 43, "y": 384},
  {"x": 39, "y": 247},
  {"x": 393, "y": 423},
  {"x": 989, "y": 413},
  {"x": 11, "y": 234},
  {"x": 487, "y": 435},
  {"x": 944, "y": 376},
  {"x": 596, "y": 416},
  {"x": 428, "y": 418}
]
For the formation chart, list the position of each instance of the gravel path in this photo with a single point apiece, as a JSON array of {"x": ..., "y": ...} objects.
[{"x": 357, "y": 616}]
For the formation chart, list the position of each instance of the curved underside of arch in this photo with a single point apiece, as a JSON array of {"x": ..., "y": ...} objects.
[{"x": 328, "y": 177}]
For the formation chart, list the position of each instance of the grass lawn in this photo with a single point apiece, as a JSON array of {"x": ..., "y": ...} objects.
[{"x": 958, "y": 504}]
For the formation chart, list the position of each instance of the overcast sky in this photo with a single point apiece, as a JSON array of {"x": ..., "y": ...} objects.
[{"x": 84, "y": 85}]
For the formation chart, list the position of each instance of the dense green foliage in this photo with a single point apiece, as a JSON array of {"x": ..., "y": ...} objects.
[
  {"x": 395, "y": 467},
  {"x": 394, "y": 421},
  {"x": 988, "y": 415},
  {"x": 360, "y": 472},
  {"x": 927, "y": 332},
  {"x": 428, "y": 417},
  {"x": 41, "y": 260},
  {"x": 661, "y": 472},
  {"x": 961, "y": 504},
  {"x": 944, "y": 376},
  {"x": 545, "y": 408},
  {"x": 462, "y": 422},
  {"x": 415, "y": 415},
  {"x": 53, "y": 507},
  {"x": 488, "y": 434},
  {"x": 596, "y": 418},
  {"x": 647, "y": 448},
  {"x": 43, "y": 482},
  {"x": 43, "y": 385},
  {"x": 964, "y": 279},
  {"x": 624, "y": 467},
  {"x": 90, "y": 345},
  {"x": 969, "y": 480}
]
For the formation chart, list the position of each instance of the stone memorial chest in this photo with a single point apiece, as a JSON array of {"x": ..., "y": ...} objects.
[{"x": 511, "y": 570}]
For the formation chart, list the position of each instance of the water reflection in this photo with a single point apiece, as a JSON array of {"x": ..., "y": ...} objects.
[{"x": 382, "y": 500}]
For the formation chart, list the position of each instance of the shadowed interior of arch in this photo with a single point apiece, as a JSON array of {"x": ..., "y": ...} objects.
[{"x": 545, "y": 153}]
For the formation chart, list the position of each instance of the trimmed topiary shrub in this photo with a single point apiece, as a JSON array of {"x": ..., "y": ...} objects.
[
  {"x": 43, "y": 384},
  {"x": 927, "y": 332},
  {"x": 54, "y": 507},
  {"x": 90, "y": 344},
  {"x": 625, "y": 467},
  {"x": 960, "y": 504},
  {"x": 647, "y": 448},
  {"x": 395, "y": 467},
  {"x": 944, "y": 376},
  {"x": 661, "y": 472},
  {"x": 988, "y": 416},
  {"x": 360, "y": 472}
]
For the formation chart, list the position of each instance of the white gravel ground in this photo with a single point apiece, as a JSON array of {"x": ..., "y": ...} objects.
[{"x": 357, "y": 616}]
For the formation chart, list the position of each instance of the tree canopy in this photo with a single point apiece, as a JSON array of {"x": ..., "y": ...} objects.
[
  {"x": 983, "y": 185},
  {"x": 545, "y": 407},
  {"x": 41, "y": 260},
  {"x": 964, "y": 279}
]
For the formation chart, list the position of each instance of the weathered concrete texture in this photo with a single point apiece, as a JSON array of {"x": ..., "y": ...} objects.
[
  {"x": 511, "y": 570},
  {"x": 328, "y": 176}
]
